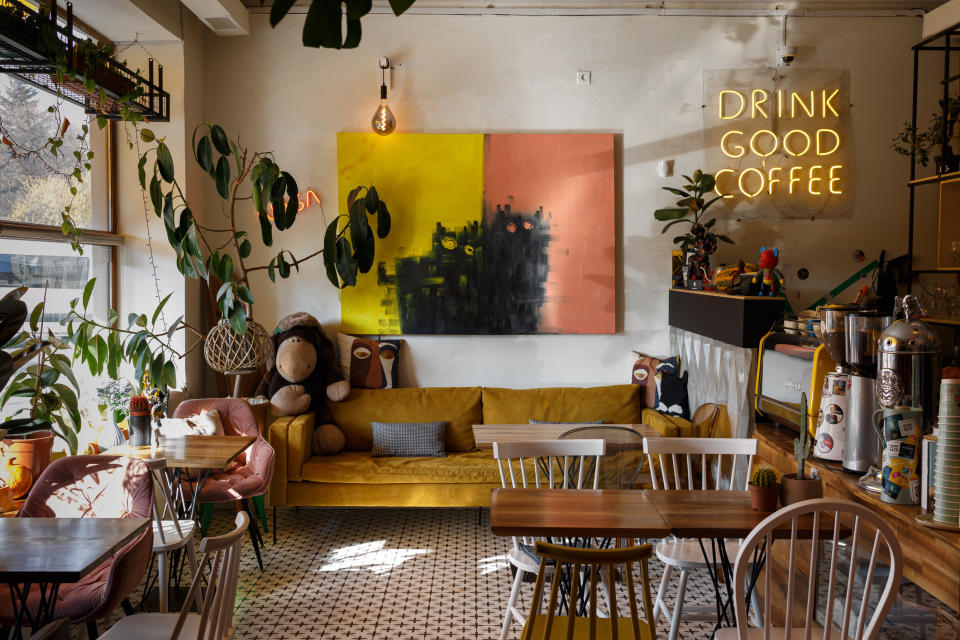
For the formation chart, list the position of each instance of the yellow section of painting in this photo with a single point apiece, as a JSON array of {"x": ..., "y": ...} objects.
[{"x": 423, "y": 179}]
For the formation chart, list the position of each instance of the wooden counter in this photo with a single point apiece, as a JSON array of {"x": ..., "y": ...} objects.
[{"x": 931, "y": 556}]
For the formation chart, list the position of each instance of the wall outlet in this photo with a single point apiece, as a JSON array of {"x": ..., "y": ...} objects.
[{"x": 583, "y": 78}]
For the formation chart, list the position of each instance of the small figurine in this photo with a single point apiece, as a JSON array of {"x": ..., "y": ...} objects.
[{"x": 770, "y": 278}]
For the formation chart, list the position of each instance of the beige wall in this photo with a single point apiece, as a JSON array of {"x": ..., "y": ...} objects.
[
  {"x": 504, "y": 74},
  {"x": 183, "y": 78}
]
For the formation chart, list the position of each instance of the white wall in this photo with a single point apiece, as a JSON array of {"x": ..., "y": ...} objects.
[{"x": 517, "y": 74}]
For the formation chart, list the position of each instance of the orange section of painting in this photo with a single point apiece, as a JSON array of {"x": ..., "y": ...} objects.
[{"x": 571, "y": 176}]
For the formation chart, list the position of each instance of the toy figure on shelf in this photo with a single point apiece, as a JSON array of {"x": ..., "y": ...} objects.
[{"x": 770, "y": 278}]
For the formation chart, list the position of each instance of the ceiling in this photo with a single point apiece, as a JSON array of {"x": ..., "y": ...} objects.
[
  {"x": 160, "y": 20},
  {"x": 123, "y": 20},
  {"x": 587, "y": 6}
]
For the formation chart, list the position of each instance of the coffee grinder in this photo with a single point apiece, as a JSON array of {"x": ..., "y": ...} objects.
[
  {"x": 861, "y": 445},
  {"x": 832, "y": 418}
]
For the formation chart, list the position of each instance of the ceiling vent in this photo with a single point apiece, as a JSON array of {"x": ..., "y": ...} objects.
[{"x": 221, "y": 23}]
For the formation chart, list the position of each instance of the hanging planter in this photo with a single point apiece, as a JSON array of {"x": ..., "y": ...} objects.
[{"x": 36, "y": 48}]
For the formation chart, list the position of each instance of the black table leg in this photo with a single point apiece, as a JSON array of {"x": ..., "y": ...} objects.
[{"x": 20, "y": 598}]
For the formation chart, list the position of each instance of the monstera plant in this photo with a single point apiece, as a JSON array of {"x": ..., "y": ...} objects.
[{"x": 220, "y": 254}]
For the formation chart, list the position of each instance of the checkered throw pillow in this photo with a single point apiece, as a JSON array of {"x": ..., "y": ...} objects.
[{"x": 409, "y": 439}]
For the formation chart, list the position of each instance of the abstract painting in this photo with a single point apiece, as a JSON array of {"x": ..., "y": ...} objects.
[{"x": 492, "y": 233}]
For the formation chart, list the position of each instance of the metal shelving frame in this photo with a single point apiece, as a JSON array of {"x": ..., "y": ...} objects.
[{"x": 26, "y": 53}]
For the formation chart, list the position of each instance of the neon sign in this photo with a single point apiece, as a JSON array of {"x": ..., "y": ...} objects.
[
  {"x": 302, "y": 198},
  {"x": 780, "y": 141}
]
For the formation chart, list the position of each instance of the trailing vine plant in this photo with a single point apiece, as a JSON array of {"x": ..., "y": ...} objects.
[{"x": 223, "y": 249}]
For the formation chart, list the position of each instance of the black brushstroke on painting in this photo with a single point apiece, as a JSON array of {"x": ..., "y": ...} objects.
[{"x": 479, "y": 279}]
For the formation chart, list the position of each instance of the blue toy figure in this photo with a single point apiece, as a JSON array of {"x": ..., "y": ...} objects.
[{"x": 771, "y": 279}]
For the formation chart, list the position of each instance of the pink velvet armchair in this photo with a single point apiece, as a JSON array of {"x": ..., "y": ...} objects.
[
  {"x": 94, "y": 487},
  {"x": 251, "y": 475}
]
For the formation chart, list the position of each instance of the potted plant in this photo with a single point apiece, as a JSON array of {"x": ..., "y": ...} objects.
[
  {"x": 764, "y": 489},
  {"x": 699, "y": 242},
  {"x": 46, "y": 393},
  {"x": 922, "y": 143},
  {"x": 796, "y": 487}
]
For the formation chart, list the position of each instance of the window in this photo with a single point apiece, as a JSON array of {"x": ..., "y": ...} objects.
[
  {"x": 30, "y": 191},
  {"x": 33, "y": 250}
]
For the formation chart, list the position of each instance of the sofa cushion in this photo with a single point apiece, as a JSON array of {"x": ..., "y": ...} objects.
[
  {"x": 362, "y": 467},
  {"x": 615, "y": 404},
  {"x": 459, "y": 407},
  {"x": 417, "y": 439}
]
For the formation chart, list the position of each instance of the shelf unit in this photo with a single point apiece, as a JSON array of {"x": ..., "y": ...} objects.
[
  {"x": 946, "y": 42},
  {"x": 35, "y": 47}
]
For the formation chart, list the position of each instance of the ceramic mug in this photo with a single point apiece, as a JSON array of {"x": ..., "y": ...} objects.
[{"x": 898, "y": 423}]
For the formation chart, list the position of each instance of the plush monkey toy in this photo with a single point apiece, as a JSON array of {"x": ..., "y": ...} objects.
[{"x": 302, "y": 371}]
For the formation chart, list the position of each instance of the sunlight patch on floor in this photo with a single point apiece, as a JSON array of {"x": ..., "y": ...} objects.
[{"x": 371, "y": 556}]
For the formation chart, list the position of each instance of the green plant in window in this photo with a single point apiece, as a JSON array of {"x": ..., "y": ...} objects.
[{"x": 48, "y": 386}]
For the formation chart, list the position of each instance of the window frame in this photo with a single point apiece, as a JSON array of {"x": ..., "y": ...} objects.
[{"x": 109, "y": 238}]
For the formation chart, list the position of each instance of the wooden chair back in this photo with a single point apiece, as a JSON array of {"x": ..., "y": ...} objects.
[
  {"x": 222, "y": 555},
  {"x": 677, "y": 459},
  {"x": 595, "y": 563},
  {"x": 549, "y": 464},
  {"x": 166, "y": 511},
  {"x": 815, "y": 515}
]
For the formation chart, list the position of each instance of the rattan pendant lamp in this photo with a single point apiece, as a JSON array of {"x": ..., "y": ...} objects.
[{"x": 235, "y": 354}]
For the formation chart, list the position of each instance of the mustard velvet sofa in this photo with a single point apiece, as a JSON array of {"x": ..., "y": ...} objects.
[{"x": 354, "y": 478}]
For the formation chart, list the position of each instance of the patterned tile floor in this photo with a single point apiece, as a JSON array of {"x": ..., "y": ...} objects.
[{"x": 393, "y": 574}]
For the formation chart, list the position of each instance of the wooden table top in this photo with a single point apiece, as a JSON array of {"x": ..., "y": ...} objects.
[
  {"x": 632, "y": 513},
  {"x": 725, "y": 514},
  {"x": 605, "y": 513},
  {"x": 486, "y": 434},
  {"x": 61, "y": 549},
  {"x": 191, "y": 452}
]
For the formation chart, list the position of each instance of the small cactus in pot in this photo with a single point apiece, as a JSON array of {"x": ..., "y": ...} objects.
[
  {"x": 796, "y": 487},
  {"x": 139, "y": 421},
  {"x": 764, "y": 488}
]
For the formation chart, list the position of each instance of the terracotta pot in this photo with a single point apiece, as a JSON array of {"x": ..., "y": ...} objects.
[
  {"x": 764, "y": 498},
  {"x": 33, "y": 451},
  {"x": 793, "y": 490}
]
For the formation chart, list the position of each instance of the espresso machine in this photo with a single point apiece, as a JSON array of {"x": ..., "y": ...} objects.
[
  {"x": 861, "y": 448},
  {"x": 833, "y": 417}
]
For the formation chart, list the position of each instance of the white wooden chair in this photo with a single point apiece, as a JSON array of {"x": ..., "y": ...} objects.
[
  {"x": 548, "y": 464},
  {"x": 215, "y": 620},
  {"x": 169, "y": 533},
  {"x": 676, "y": 458},
  {"x": 880, "y": 541}
]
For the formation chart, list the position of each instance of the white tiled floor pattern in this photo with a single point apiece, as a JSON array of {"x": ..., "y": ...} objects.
[{"x": 391, "y": 574}]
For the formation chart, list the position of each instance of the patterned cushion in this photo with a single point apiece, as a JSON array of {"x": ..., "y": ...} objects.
[
  {"x": 532, "y": 421},
  {"x": 408, "y": 439},
  {"x": 369, "y": 363}
]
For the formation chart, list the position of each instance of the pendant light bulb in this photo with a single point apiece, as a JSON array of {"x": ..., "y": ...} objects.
[{"x": 383, "y": 121}]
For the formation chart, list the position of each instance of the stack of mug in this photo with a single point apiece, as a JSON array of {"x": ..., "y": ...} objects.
[{"x": 946, "y": 479}]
